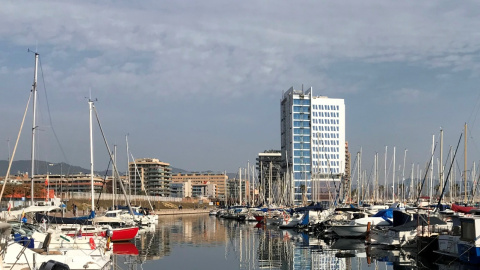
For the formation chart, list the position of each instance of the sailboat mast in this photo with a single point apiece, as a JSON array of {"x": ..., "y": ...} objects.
[
  {"x": 240, "y": 188},
  {"x": 430, "y": 194},
  {"x": 270, "y": 175},
  {"x": 375, "y": 178},
  {"x": 410, "y": 190},
  {"x": 113, "y": 176},
  {"x": 403, "y": 175},
  {"x": 245, "y": 190},
  {"x": 90, "y": 104},
  {"x": 247, "y": 197},
  {"x": 393, "y": 177},
  {"x": 441, "y": 160},
  {"x": 128, "y": 167},
  {"x": 253, "y": 185},
  {"x": 34, "y": 124},
  {"x": 465, "y": 200},
  {"x": 385, "y": 187},
  {"x": 226, "y": 187},
  {"x": 358, "y": 179}
]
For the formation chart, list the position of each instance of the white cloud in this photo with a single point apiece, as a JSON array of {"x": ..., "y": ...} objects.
[
  {"x": 218, "y": 51},
  {"x": 231, "y": 46},
  {"x": 408, "y": 96}
]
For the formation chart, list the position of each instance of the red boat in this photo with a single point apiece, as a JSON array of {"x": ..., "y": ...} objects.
[
  {"x": 124, "y": 234},
  {"x": 124, "y": 248},
  {"x": 118, "y": 234},
  {"x": 259, "y": 218}
]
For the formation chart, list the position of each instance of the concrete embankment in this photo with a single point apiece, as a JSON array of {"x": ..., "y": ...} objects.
[{"x": 164, "y": 212}]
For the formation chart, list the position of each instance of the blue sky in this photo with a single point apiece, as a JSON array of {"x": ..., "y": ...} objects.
[{"x": 198, "y": 84}]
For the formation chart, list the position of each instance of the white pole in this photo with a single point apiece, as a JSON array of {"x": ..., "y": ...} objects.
[
  {"x": 128, "y": 167},
  {"x": 375, "y": 177},
  {"x": 225, "y": 187},
  {"x": 393, "y": 177},
  {"x": 245, "y": 190},
  {"x": 113, "y": 176},
  {"x": 358, "y": 179},
  {"x": 240, "y": 185},
  {"x": 385, "y": 187},
  {"x": 34, "y": 125},
  {"x": 403, "y": 175},
  {"x": 249, "y": 181},
  {"x": 410, "y": 191},
  {"x": 431, "y": 171},
  {"x": 360, "y": 174},
  {"x": 90, "y": 103},
  {"x": 441, "y": 160}
]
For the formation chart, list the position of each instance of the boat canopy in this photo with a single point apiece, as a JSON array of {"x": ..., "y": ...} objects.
[
  {"x": 462, "y": 209},
  {"x": 40, "y": 209},
  {"x": 311, "y": 207},
  {"x": 123, "y": 207},
  {"x": 385, "y": 213},
  {"x": 419, "y": 220}
]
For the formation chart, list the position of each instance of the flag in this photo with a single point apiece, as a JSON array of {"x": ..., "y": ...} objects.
[
  {"x": 46, "y": 180},
  {"x": 9, "y": 206}
]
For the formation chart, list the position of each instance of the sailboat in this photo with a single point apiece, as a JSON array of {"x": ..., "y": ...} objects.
[
  {"x": 90, "y": 225},
  {"x": 52, "y": 249},
  {"x": 115, "y": 234}
]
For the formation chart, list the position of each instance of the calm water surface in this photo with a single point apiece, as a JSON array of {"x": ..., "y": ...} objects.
[{"x": 206, "y": 242}]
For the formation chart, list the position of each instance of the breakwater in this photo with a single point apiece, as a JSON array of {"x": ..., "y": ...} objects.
[{"x": 164, "y": 212}]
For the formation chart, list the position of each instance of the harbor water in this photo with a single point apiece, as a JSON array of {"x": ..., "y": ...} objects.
[{"x": 207, "y": 242}]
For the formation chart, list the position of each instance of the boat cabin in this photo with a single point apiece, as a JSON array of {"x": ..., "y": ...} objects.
[{"x": 470, "y": 230}]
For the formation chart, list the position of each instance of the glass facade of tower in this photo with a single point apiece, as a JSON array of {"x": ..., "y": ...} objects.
[
  {"x": 313, "y": 142},
  {"x": 301, "y": 146}
]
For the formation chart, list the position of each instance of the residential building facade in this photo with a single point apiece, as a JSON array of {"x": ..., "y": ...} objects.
[
  {"x": 150, "y": 176},
  {"x": 181, "y": 189},
  {"x": 218, "y": 179},
  {"x": 203, "y": 190}
]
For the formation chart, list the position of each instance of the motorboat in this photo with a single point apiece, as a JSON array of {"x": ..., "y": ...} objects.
[
  {"x": 294, "y": 220},
  {"x": 359, "y": 227}
]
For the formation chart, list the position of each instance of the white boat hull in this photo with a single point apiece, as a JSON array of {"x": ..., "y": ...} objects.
[{"x": 350, "y": 230}]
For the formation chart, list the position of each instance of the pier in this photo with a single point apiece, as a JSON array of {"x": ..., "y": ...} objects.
[{"x": 165, "y": 212}]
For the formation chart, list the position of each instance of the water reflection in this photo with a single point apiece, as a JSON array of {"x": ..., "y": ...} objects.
[{"x": 206, "y": 242}]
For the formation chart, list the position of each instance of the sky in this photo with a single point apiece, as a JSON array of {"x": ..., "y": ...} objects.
[{"x": 198, "y": 84}]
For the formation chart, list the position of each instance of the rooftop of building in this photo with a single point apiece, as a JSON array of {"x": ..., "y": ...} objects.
[
  {"x": 199, "y": 174},
  {"x": 150, "y": 161}
]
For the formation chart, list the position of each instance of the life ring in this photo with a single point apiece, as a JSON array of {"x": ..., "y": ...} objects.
[{"x": 92, "y": 244}]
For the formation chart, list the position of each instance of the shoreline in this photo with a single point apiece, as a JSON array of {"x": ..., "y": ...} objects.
[
  {"x": 160, "y": 212},
  {"x": 169, "y": 212}
]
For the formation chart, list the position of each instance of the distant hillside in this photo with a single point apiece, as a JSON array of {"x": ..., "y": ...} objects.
[{"x": 41, "y": 167}]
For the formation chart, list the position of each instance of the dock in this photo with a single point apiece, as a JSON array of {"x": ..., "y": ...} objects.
[{"x": 188, "y": 211}]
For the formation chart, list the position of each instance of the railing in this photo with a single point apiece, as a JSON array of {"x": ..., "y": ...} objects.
[{"x": 109, "y": 196}]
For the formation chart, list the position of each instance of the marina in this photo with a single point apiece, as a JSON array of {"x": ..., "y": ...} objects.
[
  {"x": 239, "y": 135},
  {"x": 215, "y": 241}
]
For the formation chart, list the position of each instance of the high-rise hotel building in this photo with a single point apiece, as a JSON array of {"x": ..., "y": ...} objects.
[{"x": 313, "y": 145}]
